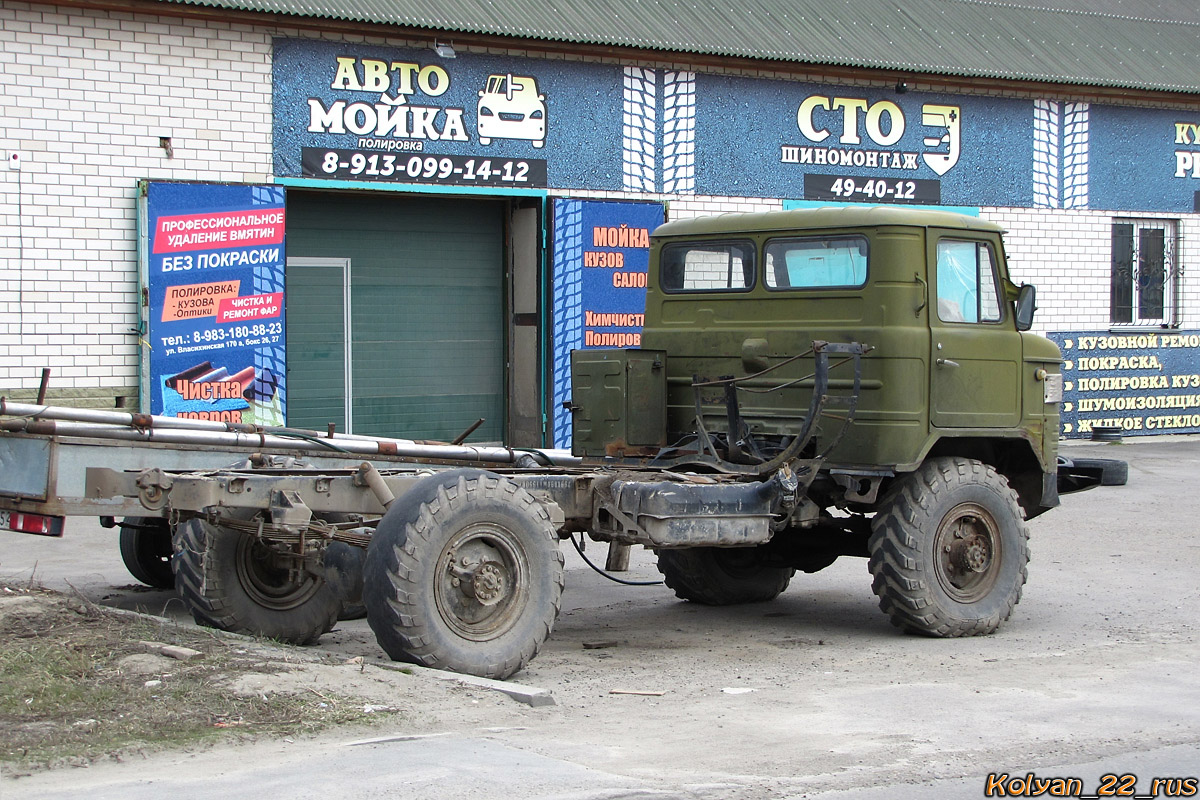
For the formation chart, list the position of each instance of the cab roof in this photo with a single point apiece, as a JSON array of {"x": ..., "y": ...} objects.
[{"x": 823, "y": 218}]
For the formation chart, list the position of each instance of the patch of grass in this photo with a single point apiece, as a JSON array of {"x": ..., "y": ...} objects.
[{"x": 70, "y": 694}]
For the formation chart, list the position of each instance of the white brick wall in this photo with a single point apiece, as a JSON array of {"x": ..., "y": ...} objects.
[
  {"x": 86, "y": 96},
  {"x": 688, "y": 207},
  {"x": 684, "y": 206},
  {"x": 1067, "y": 255}
]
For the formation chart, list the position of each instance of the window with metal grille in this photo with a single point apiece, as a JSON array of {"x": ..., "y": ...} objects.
[{"x": 1144, "y": 273}]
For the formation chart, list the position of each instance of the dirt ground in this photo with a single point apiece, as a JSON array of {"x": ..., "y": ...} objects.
[
  {"x": 813, "y": 692},
  {"x": 81, "y": 683}
]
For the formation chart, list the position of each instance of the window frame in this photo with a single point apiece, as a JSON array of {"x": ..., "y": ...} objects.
[
  {"x": 1002, "y": 303},
  {"x": 749, "y": 244},
  {"x": 1129, "y": 287},
  {"x": 818, "y": 237}
]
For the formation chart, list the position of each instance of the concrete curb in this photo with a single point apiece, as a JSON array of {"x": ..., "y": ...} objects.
[{"x": 529, "y": 695}]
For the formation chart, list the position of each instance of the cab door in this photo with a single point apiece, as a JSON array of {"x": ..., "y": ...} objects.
[{"x": 976, "y": 351}]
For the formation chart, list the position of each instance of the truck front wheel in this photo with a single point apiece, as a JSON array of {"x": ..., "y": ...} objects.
[
  {"x": 722, "y": 576},
  {"x": 949, "y": 549},
  {"x": 232, "y": 581},
  {"x": 464, "y": 573}
]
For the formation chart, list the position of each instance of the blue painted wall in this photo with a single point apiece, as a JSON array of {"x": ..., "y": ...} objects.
[
  {"x": 582, "y": 112},
  {"x": 613, "y": 128}
]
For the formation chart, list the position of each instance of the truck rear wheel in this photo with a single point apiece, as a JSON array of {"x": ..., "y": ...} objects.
[
  {"x": 344, "y": 571},
  {"x": 464, "y": 573},
  {"x": 146, "y": 550},
  {"x": 232, "y": 581},
  {"x": 722, "y": 576},
  {"x": 949, "y": 549}
]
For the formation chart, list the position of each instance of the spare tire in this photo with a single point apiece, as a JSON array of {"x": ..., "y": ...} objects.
[
  {"x": 723, "y": 576},
  {"x": 1113, "y": 471}
]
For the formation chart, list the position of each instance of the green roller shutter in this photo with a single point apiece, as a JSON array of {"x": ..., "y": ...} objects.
[{"x": 426, "y": 311}]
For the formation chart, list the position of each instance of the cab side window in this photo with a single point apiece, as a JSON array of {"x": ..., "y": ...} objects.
[
  {"x": 966, "y": 282},
  {"x": 707, "y": 267},
  {"x": 816, "y": 263}
]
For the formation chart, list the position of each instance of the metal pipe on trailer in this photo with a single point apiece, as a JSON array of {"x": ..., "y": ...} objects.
[
  {"x": 141, "y": 421},
  {"x": 127, "y": 426}
]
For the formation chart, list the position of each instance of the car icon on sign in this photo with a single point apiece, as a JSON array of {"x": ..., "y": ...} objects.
[{"x": 511, "y": 108}]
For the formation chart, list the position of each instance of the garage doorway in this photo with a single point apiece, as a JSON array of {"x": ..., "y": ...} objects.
[{"x": 420, "y": 310}]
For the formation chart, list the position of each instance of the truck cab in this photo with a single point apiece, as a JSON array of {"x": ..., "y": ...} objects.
[{"x": 951, "y": 369}]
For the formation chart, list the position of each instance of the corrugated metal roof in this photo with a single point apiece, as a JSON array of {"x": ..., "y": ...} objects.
[{"x": 1131, "y": 44}]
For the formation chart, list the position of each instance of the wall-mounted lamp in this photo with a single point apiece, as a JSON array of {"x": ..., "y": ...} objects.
[
  {"x": 901, "y": 87},
  {"x": 444, "y": 50},
  {"x": 165, "y": 143}
]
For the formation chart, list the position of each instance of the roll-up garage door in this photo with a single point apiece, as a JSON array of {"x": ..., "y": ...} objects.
[{"x": 425, "y": 311}]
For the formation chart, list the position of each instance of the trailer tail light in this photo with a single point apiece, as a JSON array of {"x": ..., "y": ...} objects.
[{"x": 40, "y": 524}]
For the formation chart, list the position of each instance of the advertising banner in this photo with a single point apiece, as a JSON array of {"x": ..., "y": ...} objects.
[
  {"x": 370, "y": 113},
  {"x": 390, "y": 115},
  {"x": 216, "y": 304},
  {"x": 1141, "y": 383},
  {"x": 601, "y": 256}
]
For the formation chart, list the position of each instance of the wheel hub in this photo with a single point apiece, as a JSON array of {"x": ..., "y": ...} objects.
[
  {"x": 486, "y": 583},
  {"x": 971, "y": 554},
  {"x": 479, "y": 594},
  {"x": 966, "y": 553},
  {"x": 274, "y": 579}
]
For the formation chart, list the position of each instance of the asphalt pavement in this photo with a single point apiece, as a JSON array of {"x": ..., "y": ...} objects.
[{"x": 812, "y": 695}]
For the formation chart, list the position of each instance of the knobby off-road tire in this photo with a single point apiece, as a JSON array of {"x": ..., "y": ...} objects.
[
  {"x": 230, "y": 581},
  {"x": 146, "y": 550},
  {"x": 721, "y": 576},
  {"x": 949, "y": 549},
  {"x": 464, "y": 573}
]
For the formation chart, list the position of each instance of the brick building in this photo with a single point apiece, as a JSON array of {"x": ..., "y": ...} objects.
[{"x": 422, "y": 293}]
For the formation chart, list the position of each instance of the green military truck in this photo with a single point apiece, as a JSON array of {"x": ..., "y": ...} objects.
[
  {"x": 812, "y": 384},
  {"x": 880, "y": 357}
]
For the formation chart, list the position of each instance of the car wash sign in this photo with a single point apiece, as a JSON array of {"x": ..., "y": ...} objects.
[
  {"x": 408, "y": 116},
  {"x": 215, "y": 311},
  {"x": 601, "y": 261},
  {"x": 395, "y": 128}
]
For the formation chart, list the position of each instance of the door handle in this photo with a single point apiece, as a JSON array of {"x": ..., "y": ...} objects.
[{"x": 945, "y": 362}]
